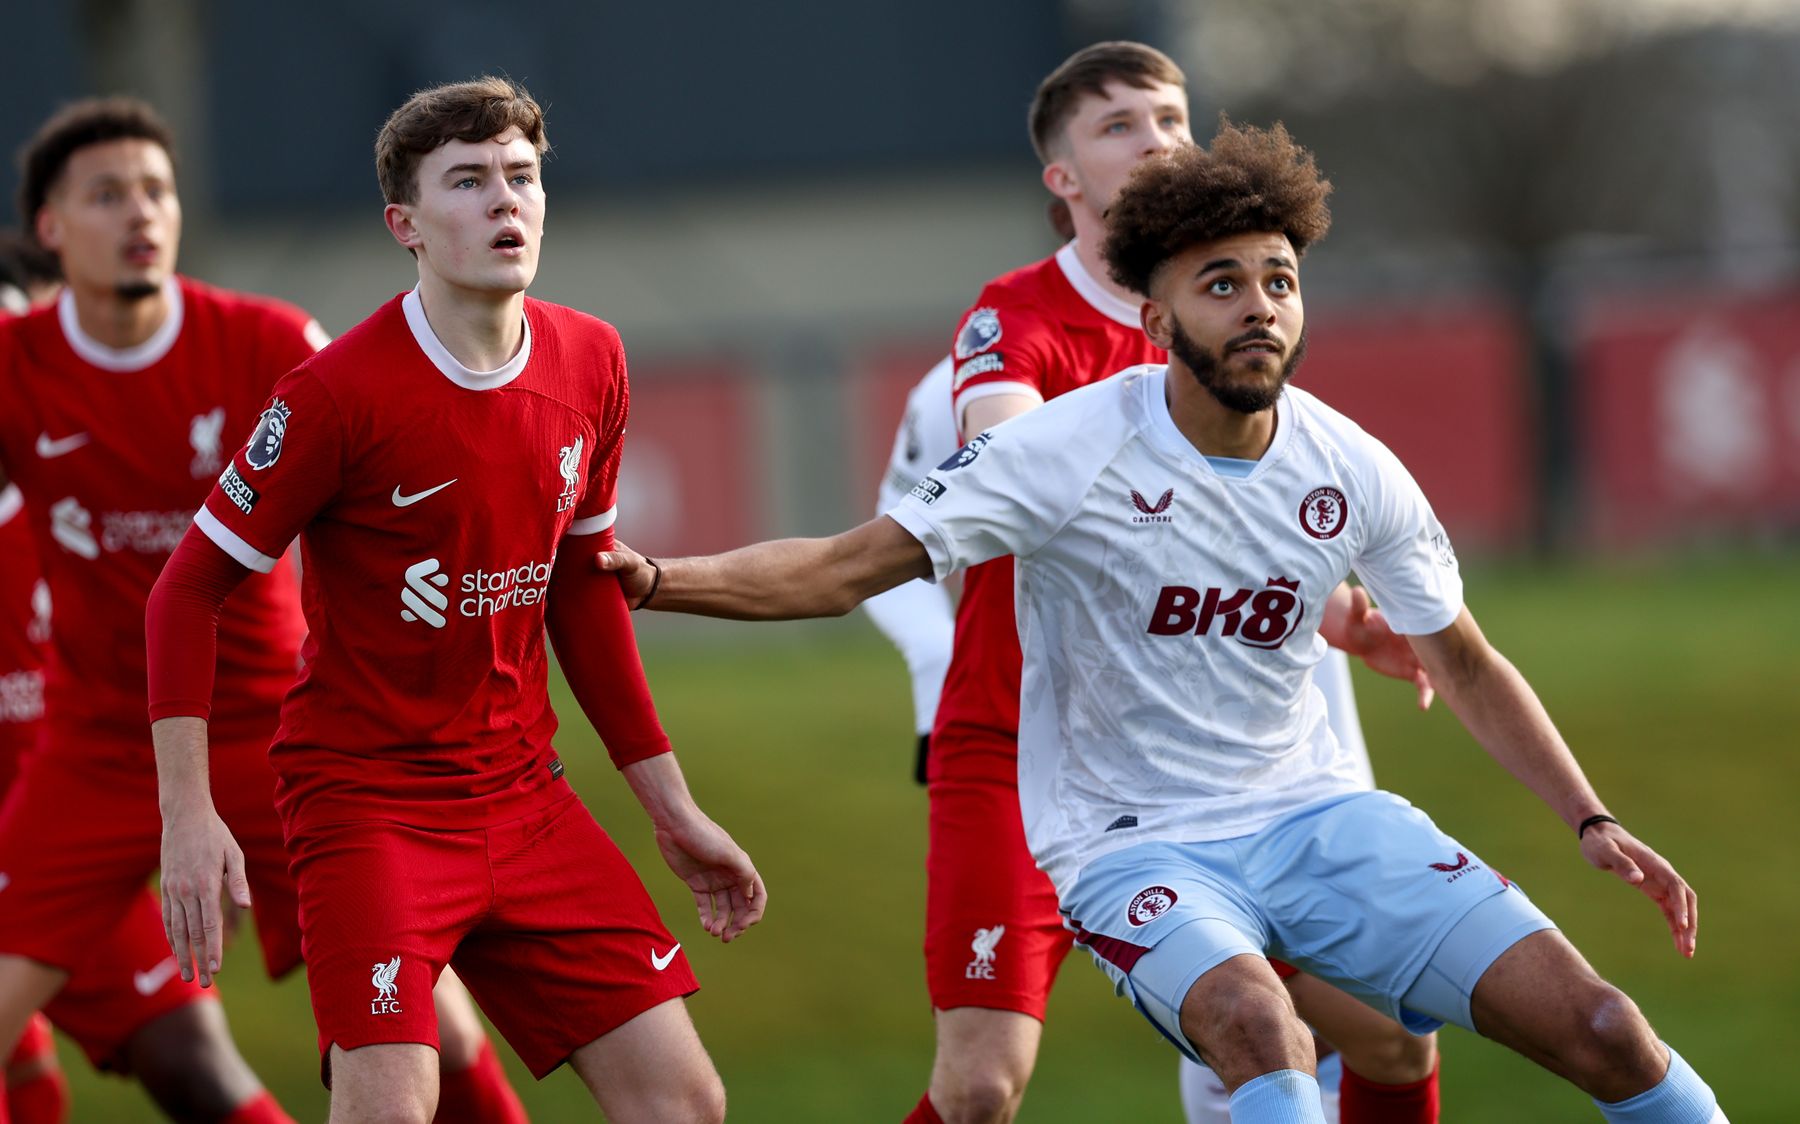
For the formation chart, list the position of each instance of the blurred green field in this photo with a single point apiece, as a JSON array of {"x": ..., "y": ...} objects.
[{"x": 1678, "y": 683}]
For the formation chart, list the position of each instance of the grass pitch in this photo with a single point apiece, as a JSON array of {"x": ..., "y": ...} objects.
[{"x": 1677, "y": 683}]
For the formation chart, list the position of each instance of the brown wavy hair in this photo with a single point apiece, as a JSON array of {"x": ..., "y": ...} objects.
[
  {"x": 1085, "y": 74},
  {"x": 1248, "y": 180},
  {"x": 466, "y": 111}
]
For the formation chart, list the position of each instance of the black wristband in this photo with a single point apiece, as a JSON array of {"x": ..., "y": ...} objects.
[
  {"x": 1580, "y": 831},
  {"x": 654, "y": 582}
]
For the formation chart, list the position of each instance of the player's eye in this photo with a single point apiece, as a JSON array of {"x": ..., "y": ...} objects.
[
  {"x": 106, "y": 196},
  {"x": 522, "y": 178},
  {"x": 1118, "y": 128},
  {"x": 1221, "y": 287},
  {"x": 466, "y": 181},
  {"x": 1281, "y": 285}
]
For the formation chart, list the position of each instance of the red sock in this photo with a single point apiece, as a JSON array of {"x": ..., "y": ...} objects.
[
  {"x": 43, "y": 1099},
  {"x": 260, "y": 1109},
  {"x": 923, "y": 1113},
  {"x": 479, "y": 1094},
  {"x": 1361, "y": 1101}
]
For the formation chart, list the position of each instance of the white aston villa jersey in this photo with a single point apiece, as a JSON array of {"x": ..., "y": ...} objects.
[{"x": 1169, "y": 615}]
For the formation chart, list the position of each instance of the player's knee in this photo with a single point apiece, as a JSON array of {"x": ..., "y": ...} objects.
[
  {"x": 1615, "y": 1039},
  {"x": 1392, "y": 1057},
  {"x": 1246, "y": 1032},
  {"x": 697, "y": 1101},
  {"x": 989, "y": 1095}
]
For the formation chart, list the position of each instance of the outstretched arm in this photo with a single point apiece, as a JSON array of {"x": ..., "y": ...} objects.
[
  {"x": 1501, "y": 710},
  {"x": 787, "y": 579}
]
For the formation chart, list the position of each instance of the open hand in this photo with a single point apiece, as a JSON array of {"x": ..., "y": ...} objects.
[{"x": 1611, "y": 848}]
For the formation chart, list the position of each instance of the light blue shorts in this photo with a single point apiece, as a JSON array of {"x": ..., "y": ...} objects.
[{"x": 1362, "y": 891}]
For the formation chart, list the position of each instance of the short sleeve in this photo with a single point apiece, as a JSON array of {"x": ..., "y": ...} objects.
[
  {"x": 288, "y": 471},
  {"x": 1406, "y": 559},
  {"x": 1002, "y": 346},
  {"x": 599, "y": 506},
  {"x": 988, "y": 500}
]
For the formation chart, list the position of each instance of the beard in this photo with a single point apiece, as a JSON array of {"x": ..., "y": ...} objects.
[
  {"x": 137, "y": 290},
  {"x": 1209, "y": 366}
]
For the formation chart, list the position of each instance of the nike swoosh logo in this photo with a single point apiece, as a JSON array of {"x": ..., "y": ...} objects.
[
  {"x": 408, "y": 501},
  {"x": 150, "y": 982},
  {"x": 661, "y": 962},
  {"x": 50, "y": 450}
]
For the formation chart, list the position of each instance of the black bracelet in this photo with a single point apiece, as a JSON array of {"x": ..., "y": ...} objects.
[
  {"x": 654, "y": 582},
  {"x": 1580, "y": 831}
]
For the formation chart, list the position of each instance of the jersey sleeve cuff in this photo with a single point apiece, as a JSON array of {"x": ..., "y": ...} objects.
[
  {"x": 594, "y": 524},
  {"x": 1406, "y": 624},
  {"x": 923, "y": 529},
  {"x": 232, "y": 543}
]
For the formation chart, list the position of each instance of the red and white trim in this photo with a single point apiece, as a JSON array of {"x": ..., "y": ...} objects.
[{"x": 229, "y": 541}]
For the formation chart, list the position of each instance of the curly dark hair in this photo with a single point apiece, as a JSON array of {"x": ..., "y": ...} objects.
[
  {"x": 1248, "y": 180},
  {"x": 73, "y": 128}
]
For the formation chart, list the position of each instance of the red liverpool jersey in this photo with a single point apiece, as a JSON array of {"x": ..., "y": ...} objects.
[
  {"x": 24, "y": 631},
  {"x": 1044, "y": 329},
  {"x": 114, "y": 450},
  {"x": 429, "y": 500}
]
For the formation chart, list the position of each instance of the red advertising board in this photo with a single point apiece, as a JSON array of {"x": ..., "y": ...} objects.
[
  {"x": 688, "y": 483},
  {"x": 1690, "y": 415}
]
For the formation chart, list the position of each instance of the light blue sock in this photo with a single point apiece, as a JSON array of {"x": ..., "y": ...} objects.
[
  {"x": 1679, "y": 1098},
  {"x": 1286, "y": 1096}
]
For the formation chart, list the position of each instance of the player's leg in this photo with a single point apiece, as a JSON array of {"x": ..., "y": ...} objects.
[
  {"x": 472, "y": 1087},
  {"x": 573, "y": 964},
  {"x": 129, "y": 1010},
  {"x": 1389, "y": 1073},
  {"x": 984, "y": 1060},
  {"x": 653, "y": 1070},
  {"x": 383, "y": 1083},
  {"x": 1541, "y": 998},
  {"x": 25, "y": 987},
  {"x": 1368, "y": 894},
  {"x": 36, "y": 1090},
  {"x": 382, "y": 906},
  {"x": 993, "y": 943}
]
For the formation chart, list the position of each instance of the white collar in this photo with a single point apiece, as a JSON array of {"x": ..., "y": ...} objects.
[
  {"x": 1104, "y": 301},
  {"x": 11, "y": 500},
  {"x": 448, "y": 364},
  {"x": 122, "y": 358}
]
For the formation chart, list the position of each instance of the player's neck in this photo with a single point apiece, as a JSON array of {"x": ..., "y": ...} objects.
[
  {"x": 116, "y": 321},
  {"x": 1090, "y": 233},
  {"x": 482, "y": 330},
  {"x": 1212, "y": 427}
]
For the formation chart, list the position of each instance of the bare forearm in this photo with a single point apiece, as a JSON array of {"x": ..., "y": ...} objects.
[
  {"x": 790, "y": 579},
  {"x": 661, "y": 789},
  {"x": 182, "y": 784},
  {"x": 1504, "y": 715}
]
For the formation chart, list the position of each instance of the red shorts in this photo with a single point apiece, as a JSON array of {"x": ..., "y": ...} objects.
[
  {"x": 993, "y": 936},
  {"x": 80, "y": 836},
  {"x": 541, "y": 916}
]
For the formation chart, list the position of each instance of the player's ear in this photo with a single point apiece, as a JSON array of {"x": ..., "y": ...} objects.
[
  {"x": 1060, "y": 181},
  {"x": 1157, "y": 323},
  {"x": 48, "y": 229},
  {"x": 398, "y": 217}
]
